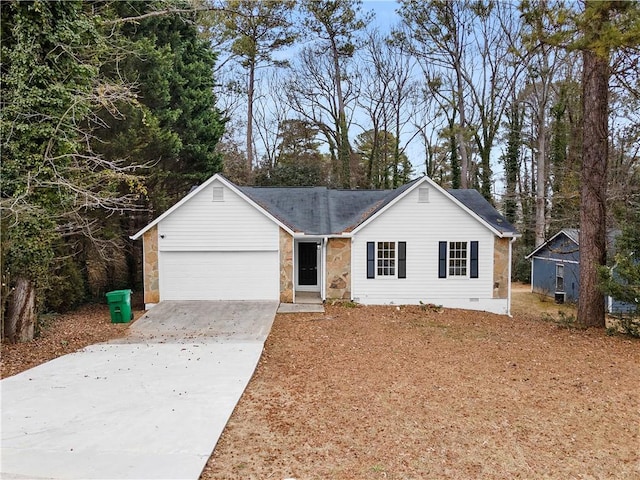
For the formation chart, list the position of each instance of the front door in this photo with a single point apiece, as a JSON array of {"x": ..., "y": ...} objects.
[{"x": 307, "y": 263}]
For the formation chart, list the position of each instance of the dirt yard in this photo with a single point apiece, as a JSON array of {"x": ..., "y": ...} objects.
[
  {"x": 382, "y": 392},
  {"x": 62, "y": 334},
  {"x": 413, "y": 393}
]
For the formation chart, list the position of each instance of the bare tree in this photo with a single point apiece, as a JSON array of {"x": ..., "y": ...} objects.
[
  {"x": 336, "y": 23},
  {"x": 271, "y": 110},
  {"x": 389, "y": 88},
  {"x": 310, "y": 90},
  {"x": 438, "y": 34},
  {"x": 258, "y": 29}
]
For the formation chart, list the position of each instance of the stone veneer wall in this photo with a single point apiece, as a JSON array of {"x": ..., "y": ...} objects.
[
  {"x": 286, "y": 267},
  {"x": 339, "y": 268},
  {"x": 501, "y": 268},
  {"x": 151, "y": 274}
]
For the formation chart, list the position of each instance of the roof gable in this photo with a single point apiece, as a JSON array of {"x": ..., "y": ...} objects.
[
  {"x": 324, "y": 211},
  {"x": 565, "y": 242},
  {"x": 474, "y": 201},
  {"x": 196, "y": 191},
  {"x": 470, "y": 201},
  {"x": 572, "y": 236}
]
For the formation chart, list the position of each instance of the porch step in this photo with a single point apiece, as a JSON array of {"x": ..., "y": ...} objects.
[
  {"x": 308, "y": 297},
  {"x": 300, "y": 308}
]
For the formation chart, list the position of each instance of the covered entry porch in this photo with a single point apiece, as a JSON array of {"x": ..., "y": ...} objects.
[{"x": 309, "y": 267}]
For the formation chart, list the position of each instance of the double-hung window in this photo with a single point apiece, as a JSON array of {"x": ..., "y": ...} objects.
[
  {"x": 386, "y": 259},
  {"x": 458, "y": 259},
  {"x": 559, "y": 277}
]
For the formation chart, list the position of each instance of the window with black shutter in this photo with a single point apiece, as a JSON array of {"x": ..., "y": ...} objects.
[
  {"x": 458, "y": 259},
  {"x": 371, "y": 260},
  {"x": 387, "y": 259}
]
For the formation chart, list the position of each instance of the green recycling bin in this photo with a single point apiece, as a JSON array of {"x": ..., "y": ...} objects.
[{"x": 120, "y": 306}]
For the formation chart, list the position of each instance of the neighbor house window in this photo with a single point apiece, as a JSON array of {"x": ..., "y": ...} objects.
[
  {"x": 387, "y": 259},
  {"x": 559, "y": 278},
  {"x": 458, "y": 259}
]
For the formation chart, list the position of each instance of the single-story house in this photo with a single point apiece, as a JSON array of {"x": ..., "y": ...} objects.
[
  {"x": 417, "y": 243},
  {"x": 555, "y": 268}
]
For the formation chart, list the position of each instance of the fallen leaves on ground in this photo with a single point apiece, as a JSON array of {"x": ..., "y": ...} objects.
[
  {"x": 59, "y": 335},
  {"x": 415, "y": 393},
  {"x": 409, "y": 393}
]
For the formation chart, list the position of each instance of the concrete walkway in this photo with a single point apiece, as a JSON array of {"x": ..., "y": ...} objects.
[{"x": 150, "y": 406}]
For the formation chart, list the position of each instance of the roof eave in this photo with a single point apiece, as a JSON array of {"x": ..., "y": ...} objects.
[
  {"x": 376, "y": 213},
  {"x": 187, "y": 197},
  {"x": 542, "y": 245}
]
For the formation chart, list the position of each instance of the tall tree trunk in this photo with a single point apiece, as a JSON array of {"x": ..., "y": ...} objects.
[
  {"x": 485, "y": 174},
  {"x": 541, "y": 176},
  {"x": 456, "y": 176},
  {"x": 20, "y": 321},
  {"x": 595, "y": 101},
  {"x": 462, "y": 144},
  {"x": 396, "y": 150},
  {"x": 250, "y": 92},
  {"x": 344, "y": 148}
]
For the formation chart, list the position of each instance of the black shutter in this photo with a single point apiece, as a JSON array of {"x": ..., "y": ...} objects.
[
  {"x": 442, "y": 260},
  {"x": 371, "y": 260},
  {"x": 474, "y": 259},
  {"x": 402, "y": 259}
]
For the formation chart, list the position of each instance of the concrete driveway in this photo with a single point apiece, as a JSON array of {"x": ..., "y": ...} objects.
[{"x": 149, "y": 406}]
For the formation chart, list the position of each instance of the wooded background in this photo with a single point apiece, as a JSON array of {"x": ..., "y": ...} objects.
[{"x": 114, "y": 110}]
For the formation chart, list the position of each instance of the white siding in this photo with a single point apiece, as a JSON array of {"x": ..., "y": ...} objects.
[
  {"x": 423, "y": 225},
  {"x": 202, "y": 224},
  {"x": 249, "y": 275}
]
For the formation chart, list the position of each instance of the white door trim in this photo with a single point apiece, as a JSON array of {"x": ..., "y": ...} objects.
[{"x": 319, "y": 269}]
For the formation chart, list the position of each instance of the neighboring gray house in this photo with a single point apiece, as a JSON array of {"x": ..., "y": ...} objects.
[
  {"x": 555, "y": 268},
  {"x": 417, "y": 243}
]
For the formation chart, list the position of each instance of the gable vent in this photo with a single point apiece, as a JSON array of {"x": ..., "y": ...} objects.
[
  {"x": 423, "y": 195},
  {"x": 218, "y": 194}
]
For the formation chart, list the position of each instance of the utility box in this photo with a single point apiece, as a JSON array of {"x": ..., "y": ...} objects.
[{"x": 120, "y": 306}]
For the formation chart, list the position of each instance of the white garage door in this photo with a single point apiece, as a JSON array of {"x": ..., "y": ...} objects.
[{"x": 219, "y": 276}]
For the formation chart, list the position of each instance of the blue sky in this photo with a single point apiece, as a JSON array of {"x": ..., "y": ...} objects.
[{"x": 384, "y": 10}]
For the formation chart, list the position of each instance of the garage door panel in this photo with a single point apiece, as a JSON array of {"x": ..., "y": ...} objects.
[{"x": 219, "y": 275}]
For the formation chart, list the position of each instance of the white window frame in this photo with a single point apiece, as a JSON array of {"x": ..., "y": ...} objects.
[
  {"x": 380, "y": 260},
  {"x": 466, "y": 259},
  {"x": 560, "y": 274}
]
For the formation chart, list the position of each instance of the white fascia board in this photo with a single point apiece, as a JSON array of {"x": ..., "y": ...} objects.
[
  {"x": 186, "y": 198},
  {"x": 539, "y": 247},
  {"x": 301, "y": 235},
  {"x": 426, "y": 179},
  {"x": 390, "y": 204},
  {"x": 556, "y": 260},
  {"x": 261, "y": 209}
]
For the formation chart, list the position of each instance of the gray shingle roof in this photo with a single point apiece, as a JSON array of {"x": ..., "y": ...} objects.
[
  {"x": 324, "y": 211},
  {"x": 316, "y": 210},
  {"x": 573, "y": 234},
  {"x": 474, "y": 201}
]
